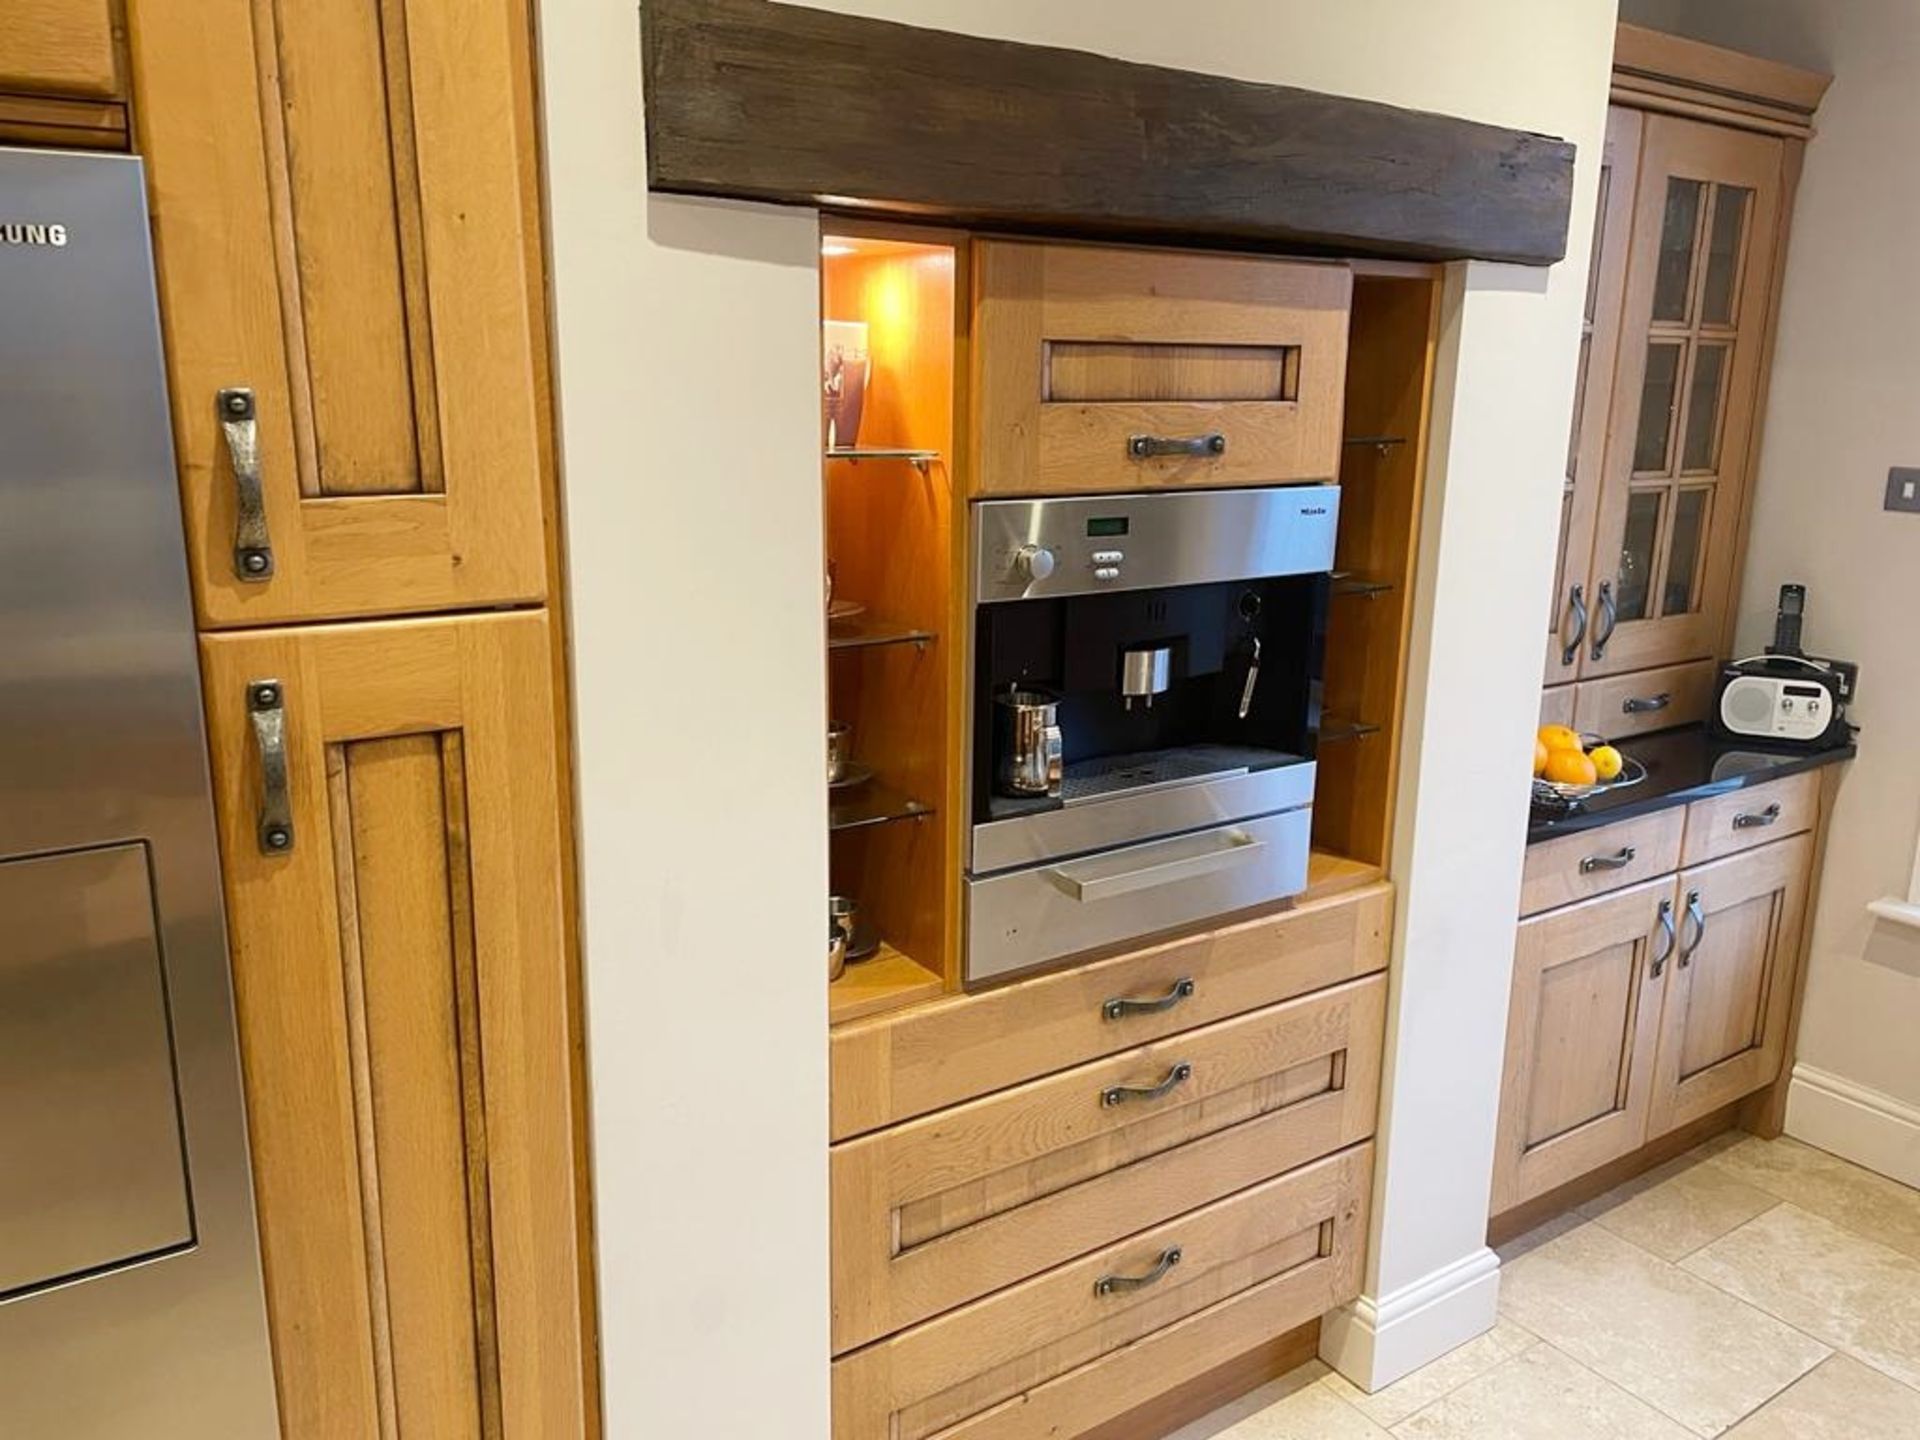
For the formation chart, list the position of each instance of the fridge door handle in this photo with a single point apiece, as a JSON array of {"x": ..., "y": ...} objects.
[
  {"x": 252, "y": 547},
  {"x": 266, "y": 705}
]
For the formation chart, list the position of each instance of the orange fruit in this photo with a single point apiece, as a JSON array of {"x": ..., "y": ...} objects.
[
  {"x": 1540, "y": 754},
  {"x": 1571, "y": 767},
  {"x": 1607, "y": 761},
  {"x": 1559, "y": 737}
]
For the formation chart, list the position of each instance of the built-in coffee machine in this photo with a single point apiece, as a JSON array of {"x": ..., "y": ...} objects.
[{"x": 1145, "y": 701}]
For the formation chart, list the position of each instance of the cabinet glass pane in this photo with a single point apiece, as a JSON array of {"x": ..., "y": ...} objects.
[
  {"x": 1730, "y": 206},
  {"x": 1700, "y": 450},
  {"x": 1681, "y": 592},
  {"x": 1635, "y": 579},
  {"x": 1658, "y": 393},
  {"x": 1673, "y": 270}
]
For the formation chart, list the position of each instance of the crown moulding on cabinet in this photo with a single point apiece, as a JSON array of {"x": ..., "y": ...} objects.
[{"x": 754, "y": 100}]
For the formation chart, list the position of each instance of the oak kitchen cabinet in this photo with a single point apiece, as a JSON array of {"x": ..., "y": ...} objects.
[
  {"x": 345, "y": 202},
  {"x": 387, "y": 800},
  {"x": 1639, "y": 1010},
  {"x": 62, "y": 75},
  {"x": 1689, "y": 245}
]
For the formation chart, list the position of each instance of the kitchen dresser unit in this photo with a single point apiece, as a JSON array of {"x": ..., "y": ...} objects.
[
  {"x": 347, "y": 236},
  {"x": 1100, "y": 1198},
  {"x": 1656, "y": 977},
  {"x": 1703, "y": 152}
]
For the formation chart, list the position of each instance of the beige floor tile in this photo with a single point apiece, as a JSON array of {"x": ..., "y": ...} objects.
[
  {"x": 1866, "y": 1203},
  {"x": 1851, "y": 1292},
  {"x": 1397, "y": 1401},
  {"x": 1839, "y": 1400},
  {"x": 1693, "y": 1352},
  {"x": 1540, "y": 1395},
  {"x": 1673, "y": 1210},
  {"x": 1539, "y": 1235},
  {"x": 1294, "y": 1407}
]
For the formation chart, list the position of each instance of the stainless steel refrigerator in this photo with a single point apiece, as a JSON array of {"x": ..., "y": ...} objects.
[{"x": 130, "y": 1291}]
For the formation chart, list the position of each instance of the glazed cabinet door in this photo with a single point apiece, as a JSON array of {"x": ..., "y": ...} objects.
[
  {"x": 1581, "y": 1028},
  {"x": 1107, "y": 370},
  {"x": 345, "y": 204},
  {"x": 387, "y": 808},
  {"x": 1725, "y": 1030},
  {"x": 1683, "y": 414},
  {"x": 1570, "y": 615}
]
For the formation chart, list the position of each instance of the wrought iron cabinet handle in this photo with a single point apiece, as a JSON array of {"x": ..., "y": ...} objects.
[
  {"x": 266, "y": 705},
  {"x": 1746, "y": 821},
  {"x": 1120, "y": 1094},
  {"x": 1576, "y": 607},
  {"x": 1122, "y": 1006},
  {"x": 1619, "y": 860},
  {"x": 1646, "y": 704},
  {"x": 1114, "y": 1284},
  {"x": 252, "y": 547},
  {"x": 1667, "y": 933},
  {"x": 1699, "y": 918},
  {"x": 1609, "y": 618},
  {"x": 1146, "y": 447}
]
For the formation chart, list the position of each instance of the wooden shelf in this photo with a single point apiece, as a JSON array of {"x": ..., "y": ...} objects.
[
  {"x": 1329, "y": 874},
  {"x": 886, "y": 982}
]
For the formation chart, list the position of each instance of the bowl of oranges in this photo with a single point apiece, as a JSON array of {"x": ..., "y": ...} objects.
[{"x": 1569, "y": 767}]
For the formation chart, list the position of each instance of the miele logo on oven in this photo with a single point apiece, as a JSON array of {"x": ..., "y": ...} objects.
[
  {"x": 26, "y": 233},
  {"x": 1313, "y": 509}
]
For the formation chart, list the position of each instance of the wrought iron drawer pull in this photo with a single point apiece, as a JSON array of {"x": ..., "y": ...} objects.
[
  {"x": 1665, "y": 952},
  {"x": 1617, "y": 861},
  {"x": 1699, "y": 918},
  {"x": 1147, "y": 447},
  {"x": 1646, "y": 704},
  {"x": 252, "y": 547},
  {"x": 266, "y": 705},
  {"x": 1120, "y": 1094},
  {"x": 1746, "y": 821},
  {"x": 1121, "y": 1006},
  {"x": 1116, "y": 1284}
]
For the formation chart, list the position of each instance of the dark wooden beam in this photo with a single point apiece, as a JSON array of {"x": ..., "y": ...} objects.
[{"x": 764, "y": 101}]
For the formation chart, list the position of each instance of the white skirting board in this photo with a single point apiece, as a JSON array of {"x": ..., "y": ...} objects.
[
  {"x": 1865, "y": 1126},
  {"x": 1375, "y": 1341}
]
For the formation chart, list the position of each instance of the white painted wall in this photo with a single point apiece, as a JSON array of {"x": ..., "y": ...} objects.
[
  {"x": 1845, "y": 405},
  {"x": 686, "y": 356}
]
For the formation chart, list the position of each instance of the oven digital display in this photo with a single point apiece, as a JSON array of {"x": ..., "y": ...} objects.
[{"x": 1105, "y": 527}]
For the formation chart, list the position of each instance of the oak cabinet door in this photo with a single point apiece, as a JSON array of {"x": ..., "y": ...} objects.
[
  {"x": 1581, "y": 1029},
  {"x": 58, "y": 47},
  {"x": 1108, "y": 370},
  {"x": 1571, "y": 612},
  {"x": 345, "y": 205},
  {"x": 1683, "y": 412},
  {"x": 387, "y": 805},
  {"x": 1725, "y": 1030}
]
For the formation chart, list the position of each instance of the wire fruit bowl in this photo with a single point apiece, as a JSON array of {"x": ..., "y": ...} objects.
[{"x": 1562, "y": 798}]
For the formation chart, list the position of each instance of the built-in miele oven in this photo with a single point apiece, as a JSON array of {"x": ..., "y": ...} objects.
[{"x": 1146, "y": 695}]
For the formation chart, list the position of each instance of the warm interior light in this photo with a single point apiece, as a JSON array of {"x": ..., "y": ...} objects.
[{"x": 835, "y": 247}]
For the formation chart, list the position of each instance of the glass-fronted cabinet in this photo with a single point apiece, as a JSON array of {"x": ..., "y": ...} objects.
[{"x": 1667, "y": 410}]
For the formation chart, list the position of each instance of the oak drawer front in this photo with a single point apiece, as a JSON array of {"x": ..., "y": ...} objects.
[
  {"x": 895, "y": 1067},
  {"x": 1064, "y": 1352},
  {"x": 940, "y": 1211},
  {"x": 1104, "y": 370},
  {"x": 58, "y": 47},
  {"x": 1622, "y": 706},
  {"x": 1743, "y": 819},
  {"x": 1593, "y": 862}
]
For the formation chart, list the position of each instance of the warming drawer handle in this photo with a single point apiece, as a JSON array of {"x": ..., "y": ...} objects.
[
  {"x": 1746, "y": 821},
  {"x": 1119, "y": 1094},
  {"x": 1117, "y": 1284},
  {"x": 1668, "y": 935},
  {"x": 1148, "y": 447},
  {"x": 1619, "y": 860},
  {"x": 1699, "y": 918},
  {"x": 266, "y": 704},
  {"x": 1122, "y": 1006},
  {"x": 252, "y": 548},
  {"x": 1646, "y": 704},
  {"x": 1240, "y": 849}
]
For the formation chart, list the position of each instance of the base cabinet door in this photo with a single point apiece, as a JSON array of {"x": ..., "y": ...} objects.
[
  {"x": 1581, "y": 1030},
  {"x": 57, "y": 47},
  {"x": 1724, "y": 1032},
  {"x": 386, "y": 796},
  {"x": 345, "y": 203}
]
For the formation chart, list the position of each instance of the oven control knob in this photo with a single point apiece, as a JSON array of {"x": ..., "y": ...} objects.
[{"x": 1033, "y": 563}]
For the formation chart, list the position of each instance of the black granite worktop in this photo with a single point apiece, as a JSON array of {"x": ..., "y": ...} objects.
[{"x": 1683, "y": 765}]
